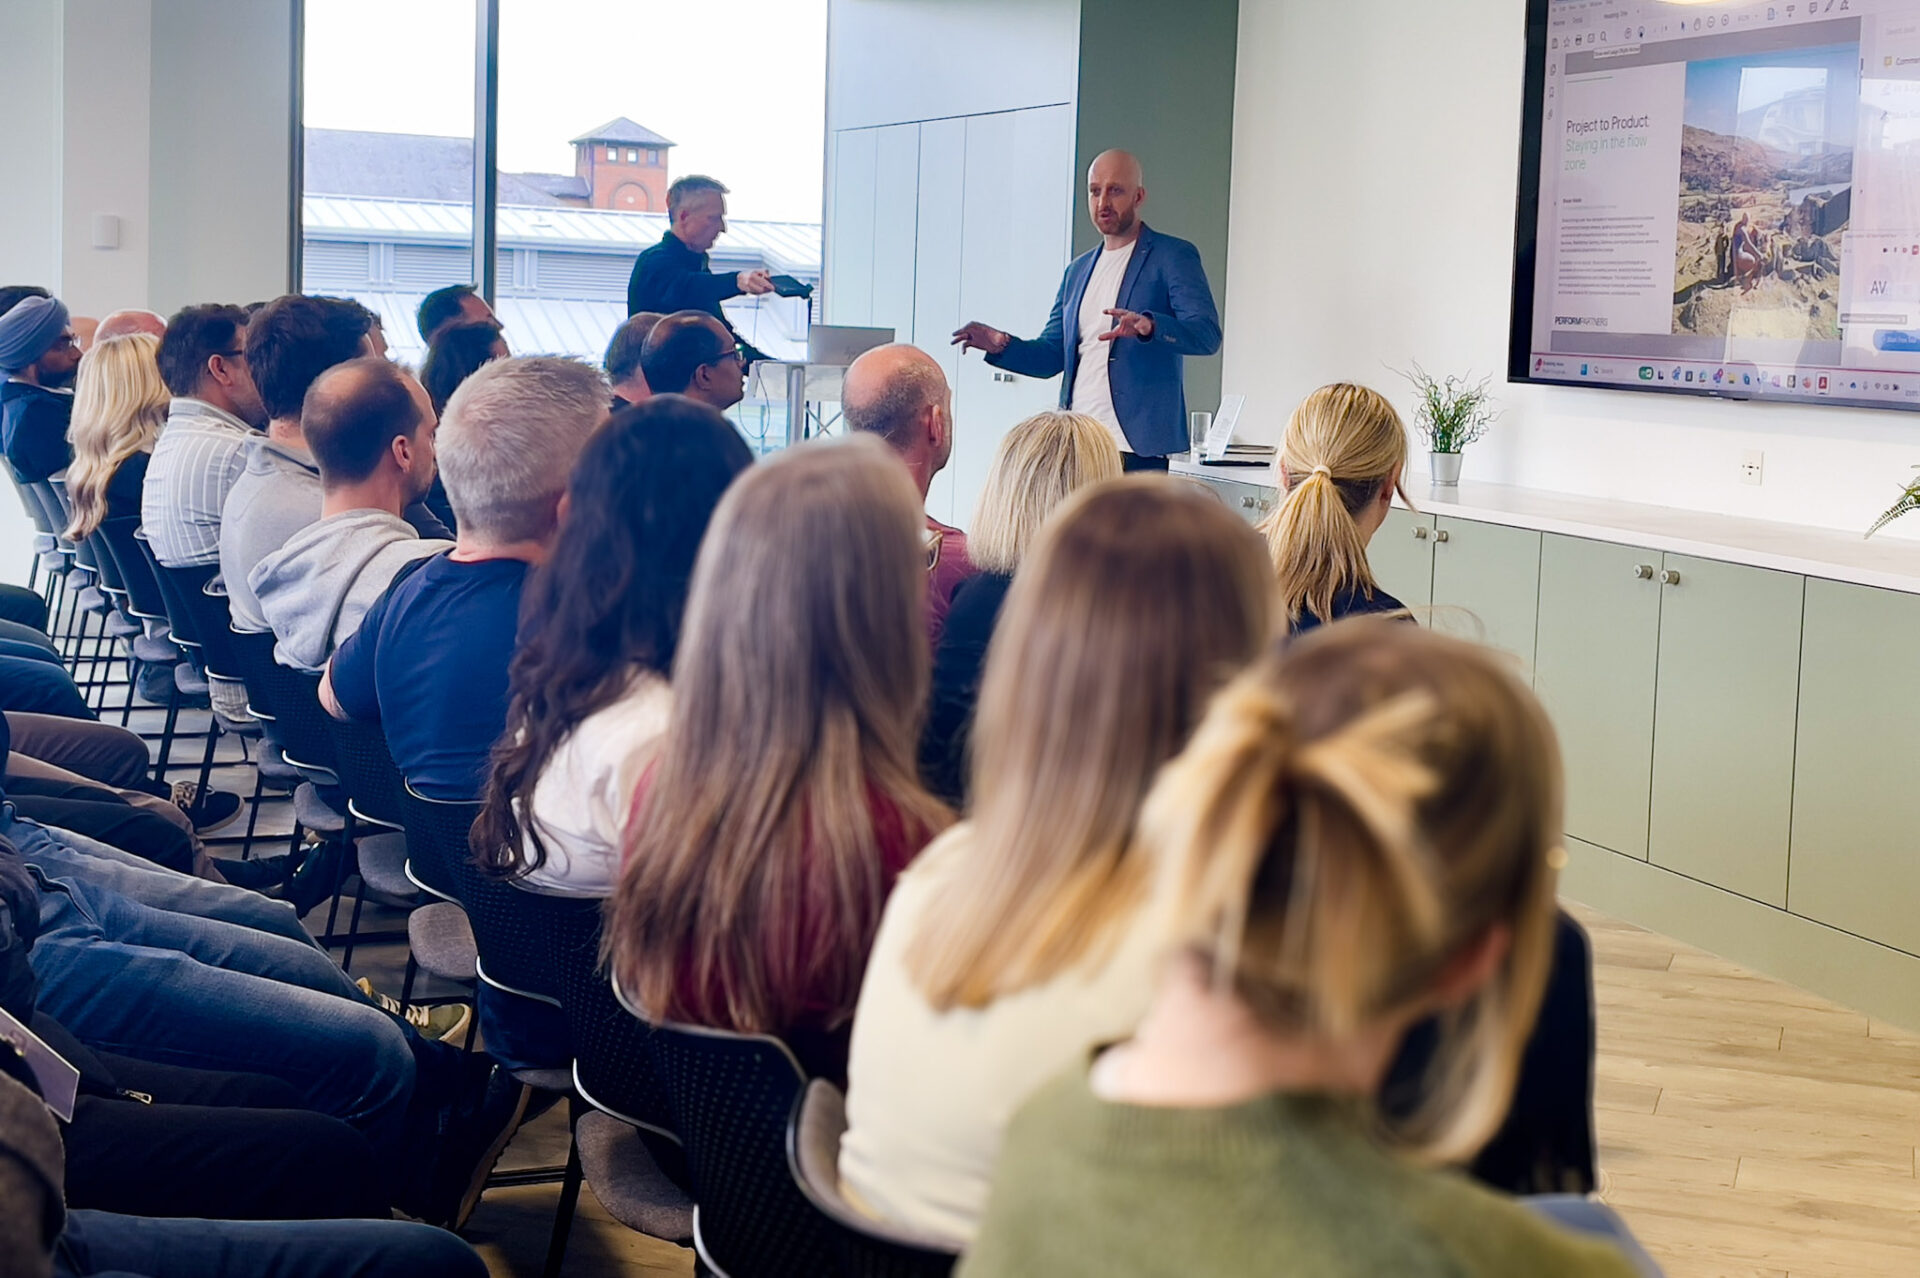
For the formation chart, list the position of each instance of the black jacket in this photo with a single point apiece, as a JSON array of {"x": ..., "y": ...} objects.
[
  {"x": 671, "y": 277},
  {"x": 958, "y": 664}
]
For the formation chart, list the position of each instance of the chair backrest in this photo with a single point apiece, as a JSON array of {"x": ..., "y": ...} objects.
[
  {"x": 291, "y": 696},
  {"x": 733, "y": 1097},
  {"x": 367, "y": 771},
  {"x": 144, "y": 599},
  {"x": 53, "y": 495},
  {"x": 507, "y": 923},
  {"x": 611, "y": 1066},
  {"x": 179, "y": 587},
  {"x": 868, "y": 1248},
  {"x": 31, "y": 503}
]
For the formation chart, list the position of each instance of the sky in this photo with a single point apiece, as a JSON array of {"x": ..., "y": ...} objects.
[{"x": 741, "y": 87}]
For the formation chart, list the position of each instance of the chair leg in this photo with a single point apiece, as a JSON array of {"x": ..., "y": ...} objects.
[
  {"x": 406, "y": 987},
  {"x": 569, "y": 1197},
  {"x": 206, "y": 757},
  {"x": 166, "y": 735},
  {"x": 253, "y": 816},
  {"x": 353, "y": 925}
]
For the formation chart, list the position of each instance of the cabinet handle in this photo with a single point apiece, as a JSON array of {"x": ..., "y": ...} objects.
[
  {"x": 1643, "y": 572},
  {"x": 1441, "y": 535},
  {"x": 1246, "y": 503},
  {"x": 1420, "y": 532},
  {"x": 1669, "y": 577}
]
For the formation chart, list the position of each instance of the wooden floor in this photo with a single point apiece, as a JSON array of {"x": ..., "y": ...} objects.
[{"x": 1746, "y": 1127}]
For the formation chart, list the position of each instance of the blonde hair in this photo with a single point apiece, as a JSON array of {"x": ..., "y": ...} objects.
[
  {"x": 788, "y": 763},
  {"x": 1141, "y": 598},
  {"x": 1350, "y": 820},
  {"x": 119, "y": 406},
  {"x": 1038, "y": 465},
  {"x": 1344, "y": 444}
]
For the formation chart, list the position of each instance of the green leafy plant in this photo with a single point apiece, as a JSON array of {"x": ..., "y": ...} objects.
[
  {"x": 1453, "y": 411},
  {"x": 1909, "y": 502}
]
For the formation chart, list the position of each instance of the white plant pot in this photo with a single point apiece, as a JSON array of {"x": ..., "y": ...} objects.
[{"x": 1445, "y": 468}]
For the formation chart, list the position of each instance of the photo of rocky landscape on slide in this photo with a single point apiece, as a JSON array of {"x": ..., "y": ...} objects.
[{"x": 1766, "y": 171}]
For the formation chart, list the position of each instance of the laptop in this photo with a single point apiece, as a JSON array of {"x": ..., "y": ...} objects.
[{"x": 838, "y": 345}]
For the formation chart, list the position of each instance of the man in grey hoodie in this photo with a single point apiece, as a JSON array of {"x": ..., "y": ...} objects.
[{"x": 370, "y": 428}]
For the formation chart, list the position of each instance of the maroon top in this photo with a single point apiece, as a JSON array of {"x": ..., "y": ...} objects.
[{"x": 949, "y": 568}]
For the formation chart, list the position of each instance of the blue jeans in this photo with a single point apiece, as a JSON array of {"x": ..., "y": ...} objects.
[
  {"x": 144, "y": 982},
  {"x": 98, "y": 1243},
  {"x": 42, "y": 687}
]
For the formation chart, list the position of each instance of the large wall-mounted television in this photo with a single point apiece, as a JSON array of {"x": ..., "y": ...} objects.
[{"x": 1721, "y": 199}]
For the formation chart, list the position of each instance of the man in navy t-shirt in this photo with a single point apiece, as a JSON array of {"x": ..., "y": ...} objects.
[{"x": 429, "y": 661}]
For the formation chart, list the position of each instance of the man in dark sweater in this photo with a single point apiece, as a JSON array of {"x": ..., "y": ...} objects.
[
  {"x": 673, "y": 275},
  {"x": 38, "y": 357}
]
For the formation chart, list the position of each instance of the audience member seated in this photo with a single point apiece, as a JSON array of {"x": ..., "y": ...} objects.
[
  {"x": 290, "y": 342},
  {"x": 693, "y": 354},
  {"x": 454, "y": 304},
  {"x": 1361, "y": 834},
  {"x": 1038, "y": 465},
  {"x": 784, "y": 801},
  {"x": 1024, "y": 936},
  {"x": 127, "y": 323},
  {"x": 601, "y": 625},
  {"x": 371, "y": 431},
  {"x": 41, "y": 1229},
  {"x": 119, "y": 406},
  {"x": 622, "y": 361},
  {"x": 38, "y": 357},
  {"x": 203, "y": 447},
  {"x": 429, "y": 661},
  {"x": 1340, "y": 466},
  {"x": 457, "y": 353},
  {"x": 899, "y": 393}
]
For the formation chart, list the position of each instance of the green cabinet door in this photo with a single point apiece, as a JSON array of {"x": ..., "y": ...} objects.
[
  {"x": 1401, "y": 557},
  {"x": 1486, "y": 585},
  {"x": 1594, "y": 662},
  {"x": 1252, "y": 502},
  {"x": 1723, "y": 733},
  {"x": 1856, "y": 790}
]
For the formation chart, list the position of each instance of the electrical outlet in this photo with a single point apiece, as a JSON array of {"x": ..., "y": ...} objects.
[{"x": 1752, "y": 466}]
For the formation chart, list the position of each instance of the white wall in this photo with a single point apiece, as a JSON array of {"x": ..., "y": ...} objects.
[
  {"x": 1375, "y": 158},
  {"x": 891, "y": 61},
  {"x": 30, "y": 41},
  {"x": 104, "y": 158}
]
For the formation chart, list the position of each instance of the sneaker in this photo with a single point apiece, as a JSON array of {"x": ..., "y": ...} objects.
[
  {"x": 209, "y": 810},
  {"x": 262, "y": 874},
  {"x": 474, "y": 1140},
  {"x": 447, "y": 1023},
  {"x": 318, "y": 878},
  {"x": 154, "y": 684}
]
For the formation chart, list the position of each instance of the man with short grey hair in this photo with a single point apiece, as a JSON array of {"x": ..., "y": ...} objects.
[
  {"x": 674, "y": 275},
  {"x": 899, "y": 393}
]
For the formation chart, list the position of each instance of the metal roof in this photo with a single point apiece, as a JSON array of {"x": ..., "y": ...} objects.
[
  {"x": 417, "y": 166},
  {"x": 621, "y": 129},
  {"x": 790, "y": 247}
]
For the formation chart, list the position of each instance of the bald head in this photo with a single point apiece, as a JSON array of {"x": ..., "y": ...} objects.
[
  {"x": 899, "y": 393},
  {"x": 1116, "y": 189},
  {"x": 693, "y": 354},
  {"x": 121, "y": 323},
  {"x": 354, "y": 411}
]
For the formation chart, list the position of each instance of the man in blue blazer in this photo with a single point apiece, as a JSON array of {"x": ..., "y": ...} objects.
[{"x": 1127, "y": 315}]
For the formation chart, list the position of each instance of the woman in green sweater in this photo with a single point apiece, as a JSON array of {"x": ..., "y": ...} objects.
[{"x": 1362, "y": 833}]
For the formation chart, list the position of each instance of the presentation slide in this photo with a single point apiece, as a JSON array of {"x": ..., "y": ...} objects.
[{"x": 1724, "y": 199}]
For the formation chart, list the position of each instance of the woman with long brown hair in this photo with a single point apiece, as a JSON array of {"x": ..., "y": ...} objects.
[
  {"x": 119, "y": 406},
  {"x": 1363, "y": 834},
  {"x": 1018, "y": 940},
  {"x": 1340, "y": 466},
  {"x": 785, "y": 801}
]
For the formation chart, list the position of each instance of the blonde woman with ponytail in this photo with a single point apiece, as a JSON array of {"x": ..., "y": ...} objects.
[
  {"x": 1025, "y": 935},
  {"x": 119, "y": 405},
  {"x": 1361, "y": 836},
  {"x": 1340, "y": 466}
]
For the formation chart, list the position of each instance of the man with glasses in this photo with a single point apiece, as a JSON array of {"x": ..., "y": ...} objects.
[
  {"x": 202, "y": 450},
  {"x": 693, "y": 354},
  {"x": 38, "y": 358}
]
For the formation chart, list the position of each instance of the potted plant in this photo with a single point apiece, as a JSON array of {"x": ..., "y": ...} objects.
[
  {"x": 1908, "y": 503},
  {"x": 1453, "y": 412}
]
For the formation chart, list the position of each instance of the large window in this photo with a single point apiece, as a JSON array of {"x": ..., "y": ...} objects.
[{"x": 597, "y": 106}]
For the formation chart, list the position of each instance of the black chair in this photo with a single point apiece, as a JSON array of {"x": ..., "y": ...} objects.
[
  {"x": 623, "y": 1143},
  {"x": 83, "y": 578},
  {"x": 868, "y": 1248},
  {"x": 46, "y": 545},
  {"x": 144, "y": 603},
  {"x": 733, "y": 1097},
  {"x": 376, "y": 806}
]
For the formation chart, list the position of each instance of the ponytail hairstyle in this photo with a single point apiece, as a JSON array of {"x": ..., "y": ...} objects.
[
  {"x": 1349, "y": 822},
  {"x": 1343, "y": 446}
]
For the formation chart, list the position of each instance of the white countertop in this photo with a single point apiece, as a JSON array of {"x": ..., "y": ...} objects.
[{"x": 1888, "y": 563}]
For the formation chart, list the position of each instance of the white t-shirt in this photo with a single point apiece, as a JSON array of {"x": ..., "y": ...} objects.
[
  {"x": 584, "y": 793},
  {"x": 929, "y": 1093},
  {"x": 1092, "y": 393}
]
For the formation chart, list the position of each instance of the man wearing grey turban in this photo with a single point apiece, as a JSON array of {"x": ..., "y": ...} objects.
[{"x": 39, "y": 358}]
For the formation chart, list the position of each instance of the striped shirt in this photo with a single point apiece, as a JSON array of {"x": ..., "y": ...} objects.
[{"x": 201, "y": 452}]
